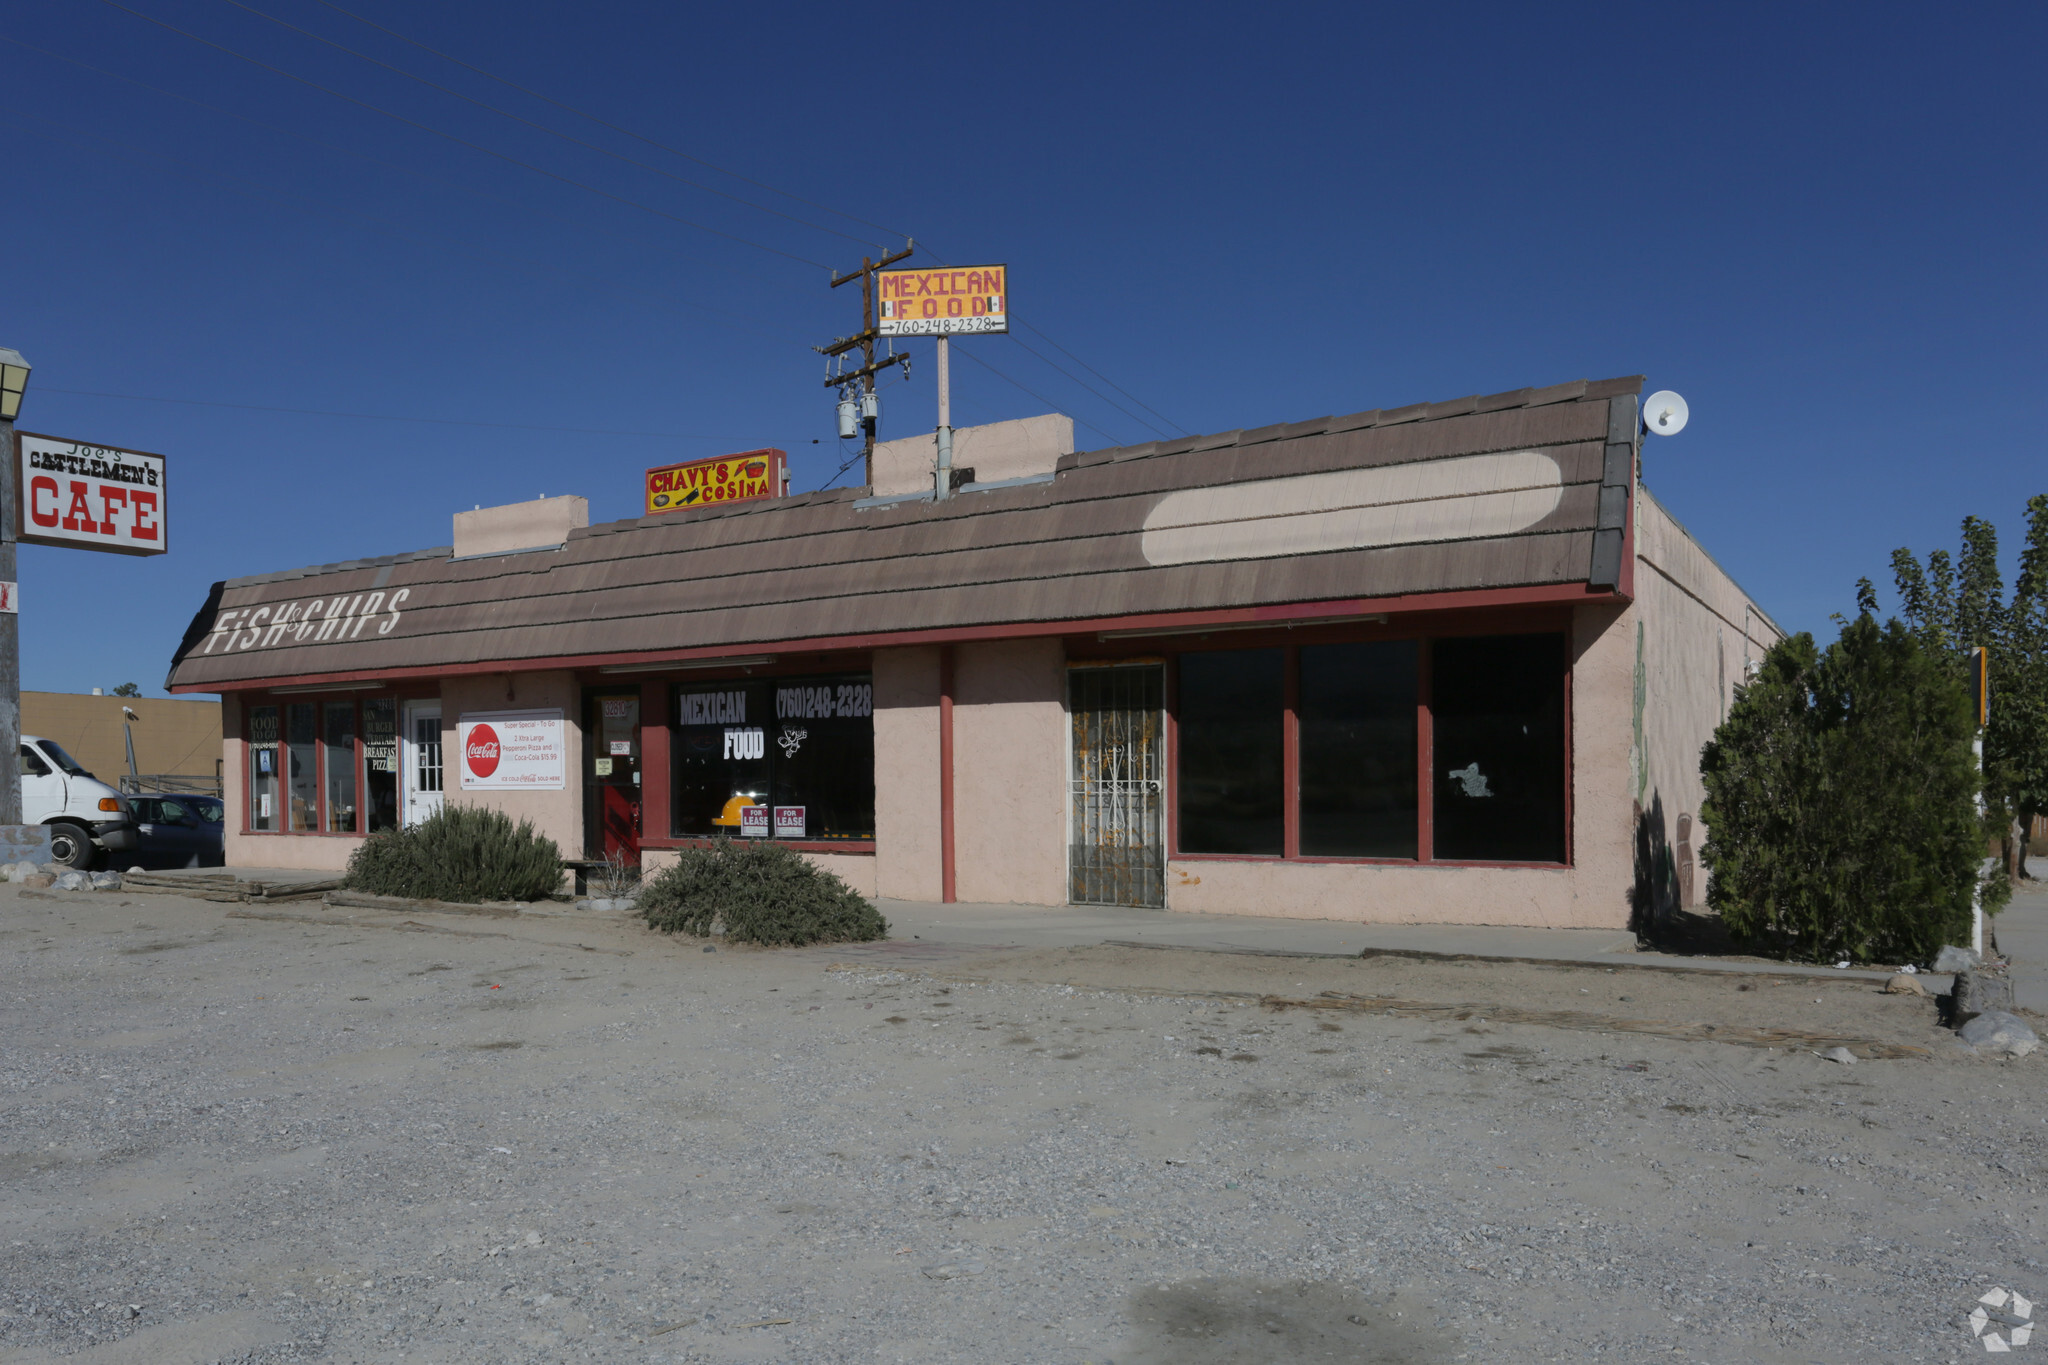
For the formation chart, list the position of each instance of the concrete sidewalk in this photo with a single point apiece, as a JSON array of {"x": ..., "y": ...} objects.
[
  {"x": 1037, "y": 926},
  {"x": 2021, "y": 932}
]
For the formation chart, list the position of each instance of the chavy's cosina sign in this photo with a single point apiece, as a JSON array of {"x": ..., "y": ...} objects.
[
  {"x": 86, "y": 497},
  {"x": 510, "y": 750},
  {"x": 729, "y": 478}
]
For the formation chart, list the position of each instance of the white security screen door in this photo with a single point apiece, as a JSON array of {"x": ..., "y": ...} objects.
[{"x": 422, "y": 761}]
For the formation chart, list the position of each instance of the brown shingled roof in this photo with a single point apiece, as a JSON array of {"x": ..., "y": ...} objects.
[{"x": 1335, "y": 508}]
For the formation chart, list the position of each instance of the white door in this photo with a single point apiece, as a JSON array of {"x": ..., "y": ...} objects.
[{"x": 422, "y": 761}]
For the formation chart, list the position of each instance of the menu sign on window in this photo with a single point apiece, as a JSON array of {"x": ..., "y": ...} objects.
[{"x": 80, "y": 496}]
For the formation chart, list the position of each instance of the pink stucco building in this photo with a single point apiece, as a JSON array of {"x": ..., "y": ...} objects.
[{"x": 1448, "y": 663}]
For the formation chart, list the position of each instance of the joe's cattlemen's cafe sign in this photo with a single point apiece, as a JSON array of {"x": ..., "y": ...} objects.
[{"x": 86, "y": 497}]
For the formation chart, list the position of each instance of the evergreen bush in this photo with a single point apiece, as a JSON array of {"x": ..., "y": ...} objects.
[
  {"x": 459, "y": 853},
  {"x": 1841, "y": 801},
  {"x": 757, "y": 893}
]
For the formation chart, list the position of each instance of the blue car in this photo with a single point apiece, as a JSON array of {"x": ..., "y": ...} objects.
[{"x": 179, "y": 831}]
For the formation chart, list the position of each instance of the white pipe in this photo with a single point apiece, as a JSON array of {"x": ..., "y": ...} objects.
[{"x": 942, "y": 479}]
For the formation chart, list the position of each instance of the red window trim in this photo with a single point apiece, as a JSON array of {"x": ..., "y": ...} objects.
[
  {"x": 1290, "y": 783},
  {"x": 319, "y": 701},
  {"x": 864, "y": 847}
]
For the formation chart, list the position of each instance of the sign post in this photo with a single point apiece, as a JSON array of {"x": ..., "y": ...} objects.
[
  {"x": 941, "y": 303},
  {"x": 1980, "y": 704},
  {"x": 76, "y": 496},
  {"x": 10, "y": 616}
]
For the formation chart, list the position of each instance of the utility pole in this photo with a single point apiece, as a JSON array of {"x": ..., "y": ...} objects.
[
  {"x": 864, "y": 377},
  {"x": 13, "y": 381}
]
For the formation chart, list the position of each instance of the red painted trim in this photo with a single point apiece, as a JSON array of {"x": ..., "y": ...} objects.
[
  {"x": 656, "y": 777},
  {"x": 304, "y": 833},
  {"x": 1626, "y": 587},
  {"x": 946, "y": 864},
  {"x": 1276, "y": 860},
  {"x": 1570, "y": 757},
  {"x": 1564, "y": 594},
  {"x": 1290, "y": 752},
  {"x": 859, "y": 847},
  {"x": 1425, "y": 751},
  {"x": 1172, "y": 754}
]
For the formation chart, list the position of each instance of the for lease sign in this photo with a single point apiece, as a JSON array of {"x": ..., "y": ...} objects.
[
  {"x": 89, "y": 497},
  {"x": 513, "y": 750},
  {"x": 969, "y": 298},
  {"x": 729, "y": 478}
]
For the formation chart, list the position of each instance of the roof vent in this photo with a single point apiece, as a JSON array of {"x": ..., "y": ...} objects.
[{"x": 543, "y": 524}]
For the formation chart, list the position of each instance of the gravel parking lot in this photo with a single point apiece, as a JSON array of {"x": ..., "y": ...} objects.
[{"x": 451, "y": 1138}]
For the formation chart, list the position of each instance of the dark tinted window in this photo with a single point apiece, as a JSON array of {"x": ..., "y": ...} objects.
[
  {"x": 1498, "y": 713},
  {"x": 803, "y": 747},
  {"x": 1229, "y": 722},
  {"x": 1358, "y": 794}
]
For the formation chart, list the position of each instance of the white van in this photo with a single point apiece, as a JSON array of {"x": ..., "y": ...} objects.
[{"x": 84, "y": 814}]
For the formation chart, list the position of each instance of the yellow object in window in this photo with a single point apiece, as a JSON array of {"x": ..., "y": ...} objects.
[{"x": 730, "y": 816}]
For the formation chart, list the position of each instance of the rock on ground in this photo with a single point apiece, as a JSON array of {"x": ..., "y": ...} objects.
[{"x": 1999, "y": 1033}]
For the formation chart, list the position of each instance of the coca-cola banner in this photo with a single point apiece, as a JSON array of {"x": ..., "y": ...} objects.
[{"x": 501, "y": 750}]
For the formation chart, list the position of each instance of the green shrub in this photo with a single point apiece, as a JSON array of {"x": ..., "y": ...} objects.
[
  {"x": 757, "y": 893},
  {"x": 459, "y": 853},
  {"x": 1841, "y": 802}
]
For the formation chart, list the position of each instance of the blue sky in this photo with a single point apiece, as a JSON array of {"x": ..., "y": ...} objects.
[{"x": 1821, "y": 224}]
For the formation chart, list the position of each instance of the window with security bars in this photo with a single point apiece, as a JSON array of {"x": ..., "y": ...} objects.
[{"x": 1117, "y": 841}]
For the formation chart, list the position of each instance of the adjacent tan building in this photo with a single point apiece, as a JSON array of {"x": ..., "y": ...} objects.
[
  {"x": 177, "y": 736},
  {"x": 1446, "y": 663}
]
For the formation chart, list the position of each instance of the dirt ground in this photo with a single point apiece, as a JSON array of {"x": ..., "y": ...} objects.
[{"x": 352, "y": 1137}]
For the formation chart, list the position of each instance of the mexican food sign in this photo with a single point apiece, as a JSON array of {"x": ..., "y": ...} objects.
[
  {"x": 921, "y": 303},
  {"x": 728, "y": 478}
]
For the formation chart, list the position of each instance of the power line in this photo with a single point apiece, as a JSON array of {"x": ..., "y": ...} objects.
[
  {"x": 603, "y": 123},
  {"x": 415, "y": 174},
  {"x": 465, "y": 142},
  {"x": 403, "y": 233},
  {"x": 541, "y": 127},
  {"x": 606, "y": 194},
  {"x": 1086, "y": 366},
  {"x": 676, "y": 151},
  {"x": 1106, "y": 379},
  {"x": 388, "y": 417},
  {"x": 1150, "y": 426},
  {"x": 1039, "y": 396}
]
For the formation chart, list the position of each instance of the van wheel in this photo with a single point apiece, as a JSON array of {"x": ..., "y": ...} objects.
[{"x": 71, "y": 847}]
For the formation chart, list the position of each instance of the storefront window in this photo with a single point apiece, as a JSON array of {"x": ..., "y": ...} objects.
[
  {"x": 340, "y": 731},
  {"x": 1495, "y": 750},
  {"x": 263, "y": 767},
  {"x": 1231, "y": 752},
  {"x": 380, "y": 763},
  {"x": 786, "y": 758},
  {"x": 302, "y": 758},
  {"x": 1358, "y": 797},
  {"x": 1498, "y": 774},
  {"x": 324, "y": 766}
]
